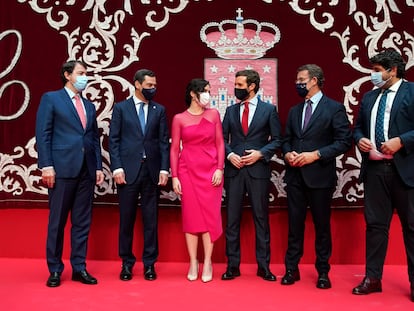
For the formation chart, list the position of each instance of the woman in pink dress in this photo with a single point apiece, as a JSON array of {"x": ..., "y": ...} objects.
[{"x": 197, "y": 159}]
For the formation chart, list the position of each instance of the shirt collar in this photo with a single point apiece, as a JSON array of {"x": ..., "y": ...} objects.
[
  {"x": 137, "y": 101},
  {"x": 316, "y": 98},
  {"x": 70, "y": 92},
  {"x": 252, "y": 101},
  {"x": 395, "y": 86}
]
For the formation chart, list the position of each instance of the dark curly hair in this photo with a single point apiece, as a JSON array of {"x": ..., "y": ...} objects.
[{"x": 390, "y": 58}]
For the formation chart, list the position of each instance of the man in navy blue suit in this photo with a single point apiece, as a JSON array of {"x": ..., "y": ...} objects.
[
  {"x": 69, "y": 156},
  {"x": 384, "y": 133},
  {"x": 139, "y": 151},
  {"x": 251, "y": 132},
  {"x": 317, "y": 131}
]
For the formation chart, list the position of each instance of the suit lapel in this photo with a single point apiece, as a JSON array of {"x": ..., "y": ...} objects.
[
  {"x": 236, "y": 116},
  {"x": 398, "y": 100},
  {"x": 69, "y": 104},
  {"x": 371, "y": 101},
  {"x": 299, "y": 117},
  {"x": 315, "y": 114},
  {"x": 151, "y": 113},
  {"x": 132, "y": 112},
  {"x": 89, "y": 112},
  {"x": 257, "y": 115}
]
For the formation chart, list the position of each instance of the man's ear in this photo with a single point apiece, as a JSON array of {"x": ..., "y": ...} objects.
[{"x": 251, "y": 87}]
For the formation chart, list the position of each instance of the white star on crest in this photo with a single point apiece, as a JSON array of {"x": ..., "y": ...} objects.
[
  {"x": 232, "y": 69},
  {"x": 223, "y": 80},
  {"x": 214, "y": 69},
  {"x": 249, "y": 67},
  {"x": 266, "y": 69}
]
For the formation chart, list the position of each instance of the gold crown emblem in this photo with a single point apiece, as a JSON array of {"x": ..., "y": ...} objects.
[{"x": 249, "y": 39}]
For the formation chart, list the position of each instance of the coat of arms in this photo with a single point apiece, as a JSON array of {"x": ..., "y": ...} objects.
[{"x": 240, "y": 44}]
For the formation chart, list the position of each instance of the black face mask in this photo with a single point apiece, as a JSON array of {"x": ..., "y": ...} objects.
[
  {"x": 241, "y": 94},
  {"x": 301, "y": 89},
  {"x": 149, "y": 93}
]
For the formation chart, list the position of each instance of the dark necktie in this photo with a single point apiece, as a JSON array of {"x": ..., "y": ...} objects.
[
  {"x": 141, "y": 117},
  {"x": 308, "y": 114},
  {"x": 245, "y": 118},
  {"x": 379, "y": 120}
]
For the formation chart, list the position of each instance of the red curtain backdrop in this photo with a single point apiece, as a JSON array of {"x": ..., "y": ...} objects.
[{"x": 116, "y": 38}]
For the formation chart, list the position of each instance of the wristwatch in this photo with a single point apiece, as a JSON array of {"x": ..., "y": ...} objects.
[{"x": 319, "y": 154}]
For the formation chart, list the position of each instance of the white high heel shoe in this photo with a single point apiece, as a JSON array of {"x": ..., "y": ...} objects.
[
  {"x": 193, "y": 271},
  {"x": 207, "y": 274}
]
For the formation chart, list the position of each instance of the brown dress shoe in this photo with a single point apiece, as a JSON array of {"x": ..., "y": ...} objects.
[{"x": 368, "y": 286}]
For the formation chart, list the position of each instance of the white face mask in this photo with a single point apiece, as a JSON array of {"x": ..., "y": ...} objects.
[
  {"x": 376, "y": 79},
  {"x": 204, "y": 99}
]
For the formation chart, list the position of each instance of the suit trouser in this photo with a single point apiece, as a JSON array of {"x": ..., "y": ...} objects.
[
  {"x": 258, "y": 192},
  {"x": 128, "y": 203},
  {"x": 75, "y": 195},
  {"x": 299, "y": 197},
  {"x": 384, "y": 191}
]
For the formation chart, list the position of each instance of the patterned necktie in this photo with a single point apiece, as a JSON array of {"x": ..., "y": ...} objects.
[
  {"x": 79, "y": 109},
  {"x": 141, "y": 117},
  {"x": 379, "y": 120},
  {"x": 245, "y": 118},
  {"x": 308, "y": 114}
]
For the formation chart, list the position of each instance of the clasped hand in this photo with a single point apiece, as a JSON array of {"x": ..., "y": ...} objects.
[
  {"x": 250, "y": 157},
  {"x": 300, "y": 159},
  {"x": 390, "y": 146}
]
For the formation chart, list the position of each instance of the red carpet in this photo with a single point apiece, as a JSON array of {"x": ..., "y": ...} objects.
[{"x": 23, "y": 287}]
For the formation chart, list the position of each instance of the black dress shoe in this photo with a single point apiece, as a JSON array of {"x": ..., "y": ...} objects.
[
  {"x": 323, "y": 281},
  {"x": 149, "y": 273},
  {"x": 266, "y": 275},
  {"x": 412, "y": 292},
  {"x": 53, "y": 280},
  {"x": 231, "y": 273},
  {"x": 84, "y": 277},
  {"x": 368, "y": 286},
  {"x": 126, "y": 273},
  {"x": 290, "y": 277}
]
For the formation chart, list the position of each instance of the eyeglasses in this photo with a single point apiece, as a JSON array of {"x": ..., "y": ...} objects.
[{"x": 302, "y": 81}]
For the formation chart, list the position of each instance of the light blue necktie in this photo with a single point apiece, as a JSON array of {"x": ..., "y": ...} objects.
[
  {"x": 379, "y": 120},
  {"x": 141, "y": 117}
]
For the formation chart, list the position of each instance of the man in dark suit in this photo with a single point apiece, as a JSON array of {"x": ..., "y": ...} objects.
[
  {"x": 384, "y": 133},
  {"x": 69, "y": 156},
  {"x": 139, "y": 151},
  {"x": 317, "y": 131},
  {"x": 251, "y": 131}
]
